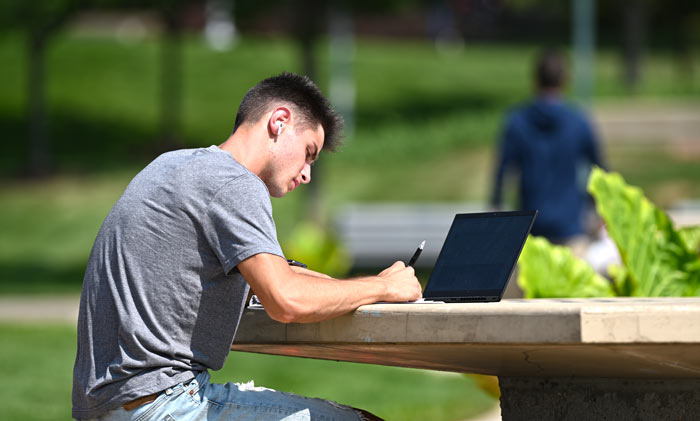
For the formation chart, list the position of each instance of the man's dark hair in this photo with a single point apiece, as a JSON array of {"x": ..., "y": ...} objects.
[
  {"x": 306, "y": 99},
  {"x": 550, "y": 69}
]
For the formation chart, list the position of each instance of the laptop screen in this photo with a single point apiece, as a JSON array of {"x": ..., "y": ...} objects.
[{"x": 479, "y": 255}]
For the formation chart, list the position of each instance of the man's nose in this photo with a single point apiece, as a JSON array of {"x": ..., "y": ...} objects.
[{"x": 306, "y": 174}]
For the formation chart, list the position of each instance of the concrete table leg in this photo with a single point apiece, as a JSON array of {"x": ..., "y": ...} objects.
[{"x": 533, "y": 398}]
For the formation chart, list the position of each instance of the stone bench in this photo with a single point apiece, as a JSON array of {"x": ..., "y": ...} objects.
[{"x": 556, "y": 359}]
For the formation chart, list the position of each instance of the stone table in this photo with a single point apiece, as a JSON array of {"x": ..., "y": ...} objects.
[{"x": 613, "y": 358}]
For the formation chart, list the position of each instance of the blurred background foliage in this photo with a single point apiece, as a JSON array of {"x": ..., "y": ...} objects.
[
  {"x": 92, "y": 90},
  {"x": 318, "y": 248}
]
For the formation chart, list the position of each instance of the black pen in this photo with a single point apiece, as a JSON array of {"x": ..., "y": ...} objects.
[{"x": 415, "y": 256}]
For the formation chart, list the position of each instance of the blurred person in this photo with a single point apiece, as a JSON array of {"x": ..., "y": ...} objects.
[
  {"x": 553, "y": 146},
  {"x": 179, "y": 254}
]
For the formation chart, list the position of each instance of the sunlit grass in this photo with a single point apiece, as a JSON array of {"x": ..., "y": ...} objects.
[
  {"x": 39, "y": 362},
  {"x": 426, "y": 130}
]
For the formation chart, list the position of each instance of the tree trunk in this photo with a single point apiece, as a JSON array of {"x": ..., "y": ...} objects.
[
  {"x": 40, "y": 28},
  {"x": 307, "y": 16},
  {"x": 634, "y": 37},
  {"x": 171, "y": 84},
  {"x": 39, "y": 162}
]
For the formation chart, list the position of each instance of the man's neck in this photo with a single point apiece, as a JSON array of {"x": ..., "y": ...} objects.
[{"x": 246, "y": 149}]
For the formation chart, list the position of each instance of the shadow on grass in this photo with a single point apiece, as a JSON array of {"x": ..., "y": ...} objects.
[
  {"x": 423, "y": 106},
  {"x": 80, "y": 143},
  {"x": 26, "y": 278},
  {"x": 77, "y": 143}
]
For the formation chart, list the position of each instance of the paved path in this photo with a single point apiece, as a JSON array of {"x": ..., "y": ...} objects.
[
  {"x": 642, "y": 122},
  {"x": 44, "y": 309}
]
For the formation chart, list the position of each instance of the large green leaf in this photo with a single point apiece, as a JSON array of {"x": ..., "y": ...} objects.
[
  {"x": 691, "y": 238},
  {"x": 549, "y": 271},
  {"x": 655, "y": 256}
]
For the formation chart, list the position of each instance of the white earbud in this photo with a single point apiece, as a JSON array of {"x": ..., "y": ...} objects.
[{"x": 279, "y": 129}]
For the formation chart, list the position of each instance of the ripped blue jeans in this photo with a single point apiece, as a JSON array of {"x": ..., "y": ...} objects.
[{"x": 203, "y": 401}]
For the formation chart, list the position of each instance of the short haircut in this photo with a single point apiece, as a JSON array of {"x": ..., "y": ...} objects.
[
  {"x": 305, "y": 98},
  {"x": 550, "y": 69}
]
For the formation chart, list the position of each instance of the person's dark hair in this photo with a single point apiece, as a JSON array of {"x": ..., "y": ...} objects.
[
  {"x": 550, "y": 69},
  {"x": 306, "y": 99}
]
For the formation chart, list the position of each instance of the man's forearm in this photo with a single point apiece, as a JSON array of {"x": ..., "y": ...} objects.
[
  {"x": 296, "y": 295},
  {"x": 306, "y": 271},
  {"x": 309, "y": 298}
]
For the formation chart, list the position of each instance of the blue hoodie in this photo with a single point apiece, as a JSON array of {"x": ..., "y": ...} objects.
[{"x": 552, "y": 145}]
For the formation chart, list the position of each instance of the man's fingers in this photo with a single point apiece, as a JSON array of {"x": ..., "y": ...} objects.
[
  {"x": 404, "y": 285},
  {"x": 398, "y": 265}
]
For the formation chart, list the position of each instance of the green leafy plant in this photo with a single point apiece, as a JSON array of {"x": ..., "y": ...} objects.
[
  {"x": 657, "y": 259},
  {"x": 548, "y": 271},
  {"x": 691, "y": 237}
]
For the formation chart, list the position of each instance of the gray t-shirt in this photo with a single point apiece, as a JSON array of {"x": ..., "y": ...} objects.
[{"x": 162, "y": 297}]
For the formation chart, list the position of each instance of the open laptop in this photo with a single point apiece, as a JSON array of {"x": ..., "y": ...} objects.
[{"x": 478, "y": 256}]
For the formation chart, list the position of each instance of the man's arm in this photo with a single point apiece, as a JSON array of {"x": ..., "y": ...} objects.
[
  {"x": 306, "y": 271},
  {"x": 593, "y": 147},
  {"x": 301, "y": 297},
  {"x": 505, "y": 158}
]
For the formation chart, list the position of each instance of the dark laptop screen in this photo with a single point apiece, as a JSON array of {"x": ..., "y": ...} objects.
[{"x": 479, "y": 254}]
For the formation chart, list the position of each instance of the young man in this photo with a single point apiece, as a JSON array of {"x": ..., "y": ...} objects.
[
  {"x": 173, "y": 263},
  {"x": 551, "y": 144}
]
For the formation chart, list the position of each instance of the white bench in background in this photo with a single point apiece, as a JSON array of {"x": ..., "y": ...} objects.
[{"x": 378, "y": 234}]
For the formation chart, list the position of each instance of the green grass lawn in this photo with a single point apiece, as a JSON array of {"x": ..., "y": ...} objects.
[
  {"x": 37, "y": 362},
  {"x": 412, "y": 103},
  {"x": 48, "y": 227},
  {"x": 426, "y": 129}
]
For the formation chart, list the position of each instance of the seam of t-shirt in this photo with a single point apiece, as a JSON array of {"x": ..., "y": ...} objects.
[
  {"x": 250, "y": 252},
  {"x": 235, "y": 260},
  {"x": 247, "y": 173},
  {"x": 223, "y": 186}
]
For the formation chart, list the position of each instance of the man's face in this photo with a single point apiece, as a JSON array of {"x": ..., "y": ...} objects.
[{"x": 292, "y": 154}]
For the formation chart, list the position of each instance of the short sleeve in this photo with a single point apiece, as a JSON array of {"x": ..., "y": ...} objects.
[
  {"x": 507, "y": 157},
  {"x": 238, "y": 223}
]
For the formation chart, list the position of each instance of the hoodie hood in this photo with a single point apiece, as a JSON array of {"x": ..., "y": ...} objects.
[{"x": 545, "y": 114}]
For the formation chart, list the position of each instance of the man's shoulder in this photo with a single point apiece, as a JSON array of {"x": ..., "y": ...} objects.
[
  {"x": 190, "y": 176},
  {"x": 211, "y": 165},
  {"x": 211, "y": 155},
  {"x": 519, "y": 111}
]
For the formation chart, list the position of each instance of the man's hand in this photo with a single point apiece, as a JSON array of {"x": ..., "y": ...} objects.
[{"x": 402, "y": 284}]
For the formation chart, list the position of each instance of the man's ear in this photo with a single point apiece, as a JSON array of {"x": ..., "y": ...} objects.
[{"x": 279, "y": 119}]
